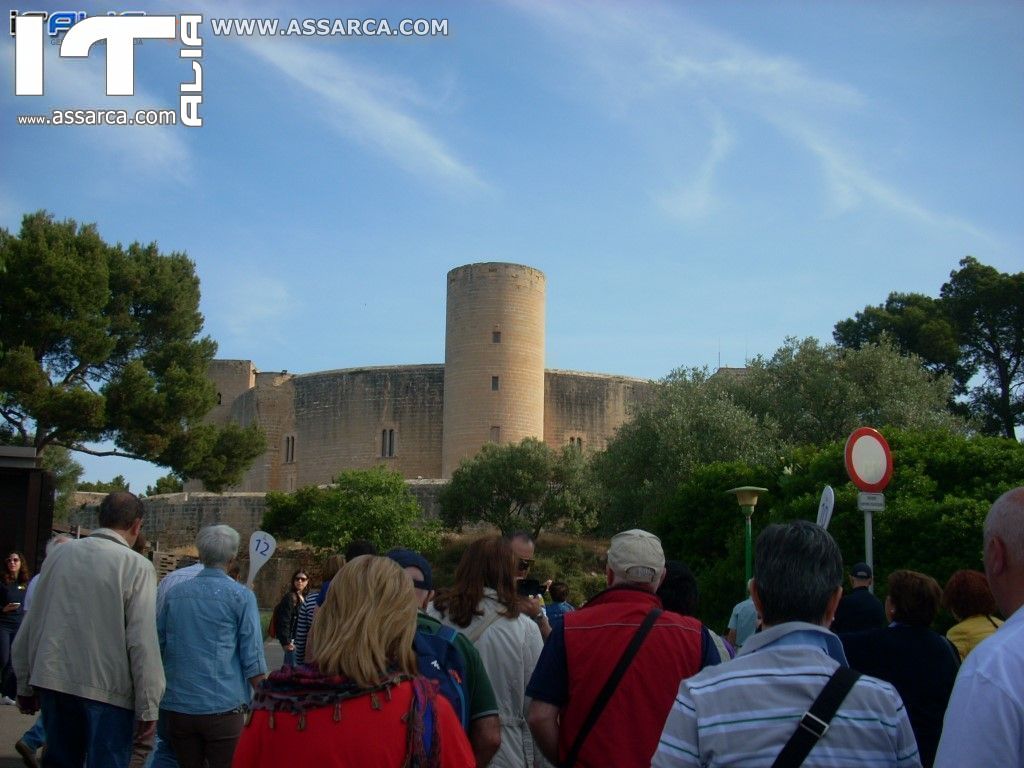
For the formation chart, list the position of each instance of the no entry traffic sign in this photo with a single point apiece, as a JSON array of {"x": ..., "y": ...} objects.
[{"x": 868, "y": 460}]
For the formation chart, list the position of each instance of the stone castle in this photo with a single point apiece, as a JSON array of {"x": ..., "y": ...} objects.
[{"x": 422, "y": 420}]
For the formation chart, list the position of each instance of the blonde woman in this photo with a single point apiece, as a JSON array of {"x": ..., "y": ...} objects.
[
  {"x": 360, "y": 702},
  {"x": 483, "y": 605}
]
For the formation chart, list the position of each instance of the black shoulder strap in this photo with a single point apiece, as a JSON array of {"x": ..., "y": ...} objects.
[
  {"x": 814, "y": 723},
  {"x": 610, "y": 686},
  {"x": 107, "y": 537}
]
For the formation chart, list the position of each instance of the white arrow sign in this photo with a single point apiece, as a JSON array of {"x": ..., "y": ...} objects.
[
  {"x": 261, "y": 547},
  {"x": 825, "y": 506}
]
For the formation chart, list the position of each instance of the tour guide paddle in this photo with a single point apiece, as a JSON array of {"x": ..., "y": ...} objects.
[
  {"x": 261, "y": 547},
  {"x": 825, "y": 506}
]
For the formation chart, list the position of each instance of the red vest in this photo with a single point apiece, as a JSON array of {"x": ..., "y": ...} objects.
[{"x": 627, "y": 732}]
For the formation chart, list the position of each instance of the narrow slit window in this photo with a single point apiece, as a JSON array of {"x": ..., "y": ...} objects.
[
  {"x": 496, "y": 337},
  {"x": 495, "y": 384},
  {"x": 387, "y": 443}
]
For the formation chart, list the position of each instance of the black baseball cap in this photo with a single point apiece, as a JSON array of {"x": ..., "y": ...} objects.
[{"x": 861, "y": 571}]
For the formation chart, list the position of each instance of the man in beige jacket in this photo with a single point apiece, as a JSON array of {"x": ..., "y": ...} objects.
[{"x": 88, "y": 652}]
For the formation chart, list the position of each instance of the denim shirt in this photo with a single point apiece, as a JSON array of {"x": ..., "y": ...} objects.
[{"x": 211, "y": 642}]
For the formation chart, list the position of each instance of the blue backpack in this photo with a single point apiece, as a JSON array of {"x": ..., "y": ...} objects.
[{"x": 439, "y": 659}]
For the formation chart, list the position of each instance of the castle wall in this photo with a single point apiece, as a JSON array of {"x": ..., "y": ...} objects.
[
  {"x": 589, "y": 407},
  {"x": 494, "y": 358},
  {"x": 340, "y": 417},
  {"x": 422, "y": 420},
  {"x": 271, "y": 405},
  {"x": 231, "y": 378},
  {"x": 336, "y": 419},
  {"x": 172, "y": 520}
]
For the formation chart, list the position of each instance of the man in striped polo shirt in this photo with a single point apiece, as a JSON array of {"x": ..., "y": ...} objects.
[{"x": 742, "y": 712}]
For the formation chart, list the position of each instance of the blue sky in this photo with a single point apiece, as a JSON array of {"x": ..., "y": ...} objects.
[{"x": 694, "y": 178}]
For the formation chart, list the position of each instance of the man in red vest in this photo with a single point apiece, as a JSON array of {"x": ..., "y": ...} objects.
[{"x": 576, "y": 666}]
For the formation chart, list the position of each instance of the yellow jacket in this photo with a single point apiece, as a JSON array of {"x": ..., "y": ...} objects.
[{"x": 969, "y": 632}]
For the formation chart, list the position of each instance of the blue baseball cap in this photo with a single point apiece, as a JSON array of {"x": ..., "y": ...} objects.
[{"x": 408, "y": 558}]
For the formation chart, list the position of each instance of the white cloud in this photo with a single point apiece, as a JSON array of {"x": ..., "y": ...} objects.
[
  {"x": 650, "y": 56},
  {"x": 369, "y": 108},
  {"x": 850, "y": 184},
  {"x": 697, "y": 198},
  {"x": 80, "y": 83},
  {"x": 149, "y": 150}
]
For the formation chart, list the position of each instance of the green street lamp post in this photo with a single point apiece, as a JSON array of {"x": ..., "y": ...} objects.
[{"x": 746, "y": 497}]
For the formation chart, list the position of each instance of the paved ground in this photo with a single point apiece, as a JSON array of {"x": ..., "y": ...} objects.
[{"x": 13, "y": 724}]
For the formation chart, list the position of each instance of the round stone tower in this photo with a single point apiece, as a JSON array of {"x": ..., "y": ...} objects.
[{"x": 493, "y": 359}]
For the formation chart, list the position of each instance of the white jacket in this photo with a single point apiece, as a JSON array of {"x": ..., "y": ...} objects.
[
  {"x": 509, "y": 649},
  {"x": 92, "y": 628}
]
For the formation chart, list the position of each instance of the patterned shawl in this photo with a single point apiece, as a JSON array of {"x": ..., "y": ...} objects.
[{"x": 297, "y": 690}]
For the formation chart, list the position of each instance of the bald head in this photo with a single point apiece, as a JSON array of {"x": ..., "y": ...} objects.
[{"x": 1004, "y": 550}]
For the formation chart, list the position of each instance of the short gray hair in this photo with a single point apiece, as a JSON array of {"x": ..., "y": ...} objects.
[
  {"x": 1006, "y": 520},
  {"x": 797, "y": 569},
  {"x": 217, "y": 545}
]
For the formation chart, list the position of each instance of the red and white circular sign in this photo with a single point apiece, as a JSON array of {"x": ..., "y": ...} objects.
[{"x": 868, "y": 460}]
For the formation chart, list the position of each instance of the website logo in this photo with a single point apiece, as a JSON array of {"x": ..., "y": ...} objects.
[{"x": 119, "y": 33}]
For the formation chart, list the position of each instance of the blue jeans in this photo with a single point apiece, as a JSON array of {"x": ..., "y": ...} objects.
[
  {"x": 8, "y": 686},
  {"x": 35, "y": 736},
  {"x": 289, "y": 659},
  {"x": 85, "y": 731}
]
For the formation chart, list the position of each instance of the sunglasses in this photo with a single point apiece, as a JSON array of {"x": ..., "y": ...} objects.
[
  {"x": 525, "y": 565},
  {"x": 302, "y": 578},
  {"x": 13, "y": 559}
]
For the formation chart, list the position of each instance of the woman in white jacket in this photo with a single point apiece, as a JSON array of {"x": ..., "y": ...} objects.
[{"x": 483, "y": 605}]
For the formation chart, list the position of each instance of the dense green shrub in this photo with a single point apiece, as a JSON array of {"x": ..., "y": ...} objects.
[
  {"x": 941, "y": 489},
  {"x": 373, "y": 504}
]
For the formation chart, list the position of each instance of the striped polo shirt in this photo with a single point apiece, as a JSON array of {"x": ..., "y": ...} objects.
[{"x": 742, "y": 712}]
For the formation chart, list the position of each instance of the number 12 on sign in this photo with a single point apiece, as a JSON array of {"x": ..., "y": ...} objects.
[{"x": 261, "y": 548}]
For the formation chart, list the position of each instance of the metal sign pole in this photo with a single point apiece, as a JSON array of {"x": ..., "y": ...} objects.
[{"x": 869, "y": 555}]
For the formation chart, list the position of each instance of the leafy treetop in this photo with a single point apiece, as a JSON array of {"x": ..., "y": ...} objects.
[
  {"x": 519, "y": 486},
  {"x": 101, "y": 342},
  {"x": 973, "y": 331}
]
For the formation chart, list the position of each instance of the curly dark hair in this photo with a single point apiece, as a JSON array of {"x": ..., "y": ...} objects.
[
  {"x": 967, "y": 594},
  {"x": 23, "y": 574},
  {"x": 488, "y": 562},
  {"x": 915, "y": 597}
]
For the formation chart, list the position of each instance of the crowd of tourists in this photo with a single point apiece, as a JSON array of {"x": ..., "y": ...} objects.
[{"x": 382, "y": 670}]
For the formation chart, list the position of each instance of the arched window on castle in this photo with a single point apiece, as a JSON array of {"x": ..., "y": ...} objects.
[
  {"x": 289, "y": 449},
  {"x": 577, "y": 443},
  {"x": 387, "y": 443}
]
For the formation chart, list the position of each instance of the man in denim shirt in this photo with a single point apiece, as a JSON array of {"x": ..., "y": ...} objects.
[{"x": 212, "y": 647}]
